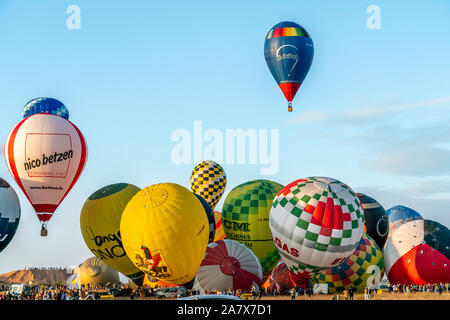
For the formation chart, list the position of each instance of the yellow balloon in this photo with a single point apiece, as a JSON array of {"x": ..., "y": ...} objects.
[
  {"x": 165, "y": 232},
  {"x": 100, "y": 227}
]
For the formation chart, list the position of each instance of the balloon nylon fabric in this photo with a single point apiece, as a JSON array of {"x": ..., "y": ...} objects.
[
  {"x": 289, "y": 51},
  {"x": 9, "y": 213},
  {"x": 228, "y": 264},
  {"x": 208, "y": 179},
  {"x": 45, "y": 105},
  {"x": 45, "y": 155},
  {"x": 164, "y": 231},
  {"x": 245, "y": 213},
  {"x": 362, "y": 268},
  {"x": 100, "y": 227},
  {"x": 418, "y": 252},
  {"x": 316, "y": 223}
]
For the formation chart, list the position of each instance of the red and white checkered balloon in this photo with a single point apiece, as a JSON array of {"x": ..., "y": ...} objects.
[{"x": 316, "y": 223}]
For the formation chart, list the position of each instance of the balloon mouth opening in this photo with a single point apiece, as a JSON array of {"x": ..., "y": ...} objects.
[
  {"x": 230, "y": 266},
  {"x": 93, "y": 271},
  {"x": 298, "y": 280},
  {"x": 158, "y": 197}
]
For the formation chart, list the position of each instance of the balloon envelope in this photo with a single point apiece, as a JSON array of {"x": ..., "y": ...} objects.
[
  {"x": 95, "y": 272},
  {"x": 208, "y": 179},
  {"x": 228, "y": 264},
  {"x": 210, "y": 215},
  {"x": 316, "y": 224},
  {"x": 279, "y": 279},
  {"x": 155, "y": 283},
  {"x": 418, "y": 252},
  {"x": 363, "y": 268},
  {"x": 399, "y": 215},
  {"x": 245, "y": 215},
  {"x": 100, "y": 227},
  {"x": 164, "y": 231},
  {"x": 9, "y": 213},
  {"x": 46, "y": 155},
  {"x": 220, "y": 233},
  {"x": 289, "y": 51},
  {"x": 45, "y": 105},
  {"x": 375, "y": 219}
]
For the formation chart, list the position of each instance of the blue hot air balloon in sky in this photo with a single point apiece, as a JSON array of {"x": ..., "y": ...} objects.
[
  {"x": 45, "y": 105},
  {"x": 289, "y": 52},
  {"x": 9, "y": 213}
]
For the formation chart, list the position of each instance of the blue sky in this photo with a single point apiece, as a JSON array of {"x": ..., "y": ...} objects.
[{"x": 373, "y": 111}]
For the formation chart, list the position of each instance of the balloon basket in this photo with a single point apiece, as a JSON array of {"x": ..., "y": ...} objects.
[
  {"x": 289, "y": 109},
  {"x": 289, "y": 106},
  {"x": 44, "y": 232}
]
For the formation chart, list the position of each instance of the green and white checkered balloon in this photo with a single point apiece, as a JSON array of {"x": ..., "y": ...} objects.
[{"x": 316, "y": 223}]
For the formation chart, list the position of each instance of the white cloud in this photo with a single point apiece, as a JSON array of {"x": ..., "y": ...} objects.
[
  {"x": 413, "y": 160},
  {"x": 356, "y": 115}
]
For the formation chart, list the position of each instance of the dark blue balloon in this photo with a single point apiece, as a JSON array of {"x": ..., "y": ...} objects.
[
  {"x": 45, "y": 105},
  {"x": 9, "y": 213},
  {"x": 289, "y": 52},
  {"x": 210, "y": 215}
]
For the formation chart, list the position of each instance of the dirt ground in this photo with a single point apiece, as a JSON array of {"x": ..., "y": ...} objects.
[{"x": 383, "y": 296}]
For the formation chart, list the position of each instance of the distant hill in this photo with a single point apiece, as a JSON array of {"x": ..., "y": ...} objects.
[{"x": 37, "y": 276}]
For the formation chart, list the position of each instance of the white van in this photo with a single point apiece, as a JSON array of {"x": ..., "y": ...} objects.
[{"x": 17, "y": 289}]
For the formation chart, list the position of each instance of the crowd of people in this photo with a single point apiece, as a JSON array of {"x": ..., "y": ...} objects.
[
  {"x": 57, "y": 292},
  {"x": 438, "y": 288},
  {"x": 412, "y": 288},
  {"x": 62, "y": 292}
]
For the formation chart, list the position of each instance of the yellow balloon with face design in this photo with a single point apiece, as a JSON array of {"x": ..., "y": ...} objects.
[{"x": 165, "y": 232}]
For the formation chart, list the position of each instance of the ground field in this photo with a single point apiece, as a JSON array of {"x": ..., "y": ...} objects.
[{"x": 357, "y": 296}]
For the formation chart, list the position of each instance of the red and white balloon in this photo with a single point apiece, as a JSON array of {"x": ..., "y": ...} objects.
[
  {"x": 45, "y": 154},
  {"x": 228, "y": 264}
]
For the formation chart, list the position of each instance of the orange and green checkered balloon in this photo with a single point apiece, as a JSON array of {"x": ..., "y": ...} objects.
[
  {"x": 363, "y": 268},
  {"x": 208, "y": 180}
]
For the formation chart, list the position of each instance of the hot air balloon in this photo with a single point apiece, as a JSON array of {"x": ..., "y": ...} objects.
[
  {"x": 208, "y": 179},
  {"x": 316, "y": 224},
  {"x": 165, "y": 232},
  {"x": 279, "y": 279},
  {"x": 228, "y": 264},
  {"x": 363, "y": 268},
  {"x": 93, "y": 271},
  {"x": 45, "y": 105},
  {"x": 210, "y": 215},
  {"x": 375, "y": 219},
  {"x": 9, "y": 213},
  {"x": 289, "y": 52},
  {"x": 220, "y": 233},
  {"x": 400, "y": 215},
  {"x": 418, "y": 252},
  {"x": 245, "y": 215},
  {"x": 100, "y": 227},
  {"x": 46, "y": 155}
]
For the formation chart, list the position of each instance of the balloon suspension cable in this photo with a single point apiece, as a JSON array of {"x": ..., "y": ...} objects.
[
  {"x": 44, "y": 230},
  {"x": 289, "y": 106}
]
